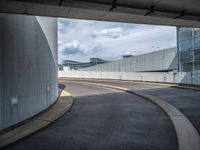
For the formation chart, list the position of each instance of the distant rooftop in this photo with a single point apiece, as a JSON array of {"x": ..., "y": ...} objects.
[
  {"x": 127, "y": 56},
  {"x": 76, "y": 64}
]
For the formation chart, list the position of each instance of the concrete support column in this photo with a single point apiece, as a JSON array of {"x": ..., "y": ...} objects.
[
  {"x": 1, "y": 72},
  {"x": 28, "y": 67}
]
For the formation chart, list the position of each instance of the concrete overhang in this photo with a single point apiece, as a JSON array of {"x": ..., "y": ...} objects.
[{"x": 160, "y": 12}]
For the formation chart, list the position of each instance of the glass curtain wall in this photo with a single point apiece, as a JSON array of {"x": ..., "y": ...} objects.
[{"x": 189, "y": 49}]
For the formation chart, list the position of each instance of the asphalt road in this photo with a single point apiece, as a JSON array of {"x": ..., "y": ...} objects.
[
  {"x": 105, "y": 119},
  {"x": 186, "y": 100}
]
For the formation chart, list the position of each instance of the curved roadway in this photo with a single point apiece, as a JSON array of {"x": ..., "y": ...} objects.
[
  {"x": 105, "y": 119},
  {"x": 186, "y": 100}
]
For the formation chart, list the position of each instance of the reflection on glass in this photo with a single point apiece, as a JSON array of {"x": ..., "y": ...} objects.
[
  {"x": 185, "y": 33},
  {"x": 197, "y": 55},
  {"x": 189, "y": 49},
  {"x": 186, "y": 45},
  {"x": 187, "y": 67},
  {"x": 197, "y": 65},
  {"x": 186, "y": 57},
  {"x": 196, "y": 31},
  {"x": 197, "y": 42}
]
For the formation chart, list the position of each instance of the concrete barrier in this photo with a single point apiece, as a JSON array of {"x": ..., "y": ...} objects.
[{"x": 166, "y": 77}]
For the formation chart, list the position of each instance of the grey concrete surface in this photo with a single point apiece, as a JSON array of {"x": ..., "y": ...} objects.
[
  {"x": 62, "y": 105},
  {"x": 28, "y": 66},
  {"x": 162, "y": 60},
  {"x": 187, "y": 135},
  {"x": 161, "y": 12},
  {"x": 163, "y": 77},
  {"x": 102, "y": 118},
  {"x": 186, "y": 100}
]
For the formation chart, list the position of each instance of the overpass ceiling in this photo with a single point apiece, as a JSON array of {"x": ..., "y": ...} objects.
[{"x": 161, "y": 12}]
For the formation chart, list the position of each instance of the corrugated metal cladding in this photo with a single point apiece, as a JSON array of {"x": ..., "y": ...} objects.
[
  {"x": 164, "y": 60},
  {"x": 28, "y": 66}
]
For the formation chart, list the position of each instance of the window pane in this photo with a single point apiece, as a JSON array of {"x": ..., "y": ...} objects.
[
  {"x": 197, "y": 43},
  {"x": 197, "y": 65},
  {"x": 186, "y": 67},
  {"x": 185, "y": 33},
  {"x": 186, "y": 57},
  {"x": 196, "y": 31},
  {"x": 185, "y": 45},
  {"x": 197, "y": 55}
]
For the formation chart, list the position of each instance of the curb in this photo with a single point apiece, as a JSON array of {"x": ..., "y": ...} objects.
[
  {"x": 173, "y": 85},
  {"x": 168, "y": 85},
  {"x": 63, "y": 104},
  {"x": 187, "y": 135}
]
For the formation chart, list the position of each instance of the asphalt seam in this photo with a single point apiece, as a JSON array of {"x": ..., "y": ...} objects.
[{"x": 187, "y": 135}]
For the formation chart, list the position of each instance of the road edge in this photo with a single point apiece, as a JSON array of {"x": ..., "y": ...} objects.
[
  {"x": 172, "y": 85},
  {"x": 63, "y": 105},
  {"x": 187, "y": 135}
]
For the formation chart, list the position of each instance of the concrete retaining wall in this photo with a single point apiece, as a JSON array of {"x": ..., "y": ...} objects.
[
  {"x": 28, "y": 66},
  {"x": 161, "y": 60},
  {"x": 167, "y": 77}
]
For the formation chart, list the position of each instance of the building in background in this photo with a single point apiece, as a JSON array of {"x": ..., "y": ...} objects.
[
  {"x": 95, "y": 61},
  {"x": 188, "y": 43},
  {"x": 180, "y": 64},
  {"x": 186, "y": 58},
  {"x": 126, "y": 56},
  {"x": 160, "y": 61},
  {"x": 74, "y": 65}
]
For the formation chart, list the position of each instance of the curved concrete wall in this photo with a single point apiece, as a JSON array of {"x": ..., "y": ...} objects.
[{"x": 28, "y": 66}]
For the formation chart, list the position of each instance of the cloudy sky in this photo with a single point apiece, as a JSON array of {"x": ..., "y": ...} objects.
[{"x": 81, "y": 39}]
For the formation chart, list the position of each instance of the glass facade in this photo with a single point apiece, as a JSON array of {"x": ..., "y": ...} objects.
[{"x": 189, "y": 49}]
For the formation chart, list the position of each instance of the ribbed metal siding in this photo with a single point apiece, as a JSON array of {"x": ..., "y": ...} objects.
[
  {"x": 29, "y": 66},
  {"x": 0, "y": 73}
]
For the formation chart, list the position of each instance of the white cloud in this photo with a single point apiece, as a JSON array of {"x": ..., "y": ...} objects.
[
  {"x": 112, "y": 33},
  {"x": 70, "y": 48},
  {"x": 74, "y": 44},
  {"x": 80, "y": 40}
]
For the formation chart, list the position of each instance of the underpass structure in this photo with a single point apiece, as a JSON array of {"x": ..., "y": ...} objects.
[
  {"x": 160, "y": 12},
  {"x": 113, "y": 120},
  {"x": 104, "y": 118}
]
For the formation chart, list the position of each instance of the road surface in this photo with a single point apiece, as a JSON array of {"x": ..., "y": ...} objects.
[
  {"x": 105, "y": 119},
  {"x": 186, "y": 100}
]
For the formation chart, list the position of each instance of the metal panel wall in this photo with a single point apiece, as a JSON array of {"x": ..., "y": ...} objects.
[
  {"x": 0, "y": 72},
  {"x": 28, "y": 66}
]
